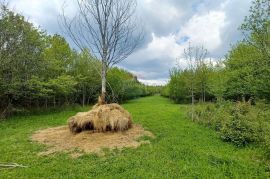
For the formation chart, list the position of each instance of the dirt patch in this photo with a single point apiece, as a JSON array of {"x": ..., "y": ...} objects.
[{"x": 60, "y": 139}]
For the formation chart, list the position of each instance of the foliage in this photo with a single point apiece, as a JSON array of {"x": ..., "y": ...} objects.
[
  {"x": 239, "y": 123},
  {"x": 178, "y": 88},
  {"x": 256, "y": 28},
  {"x": 21, "y": 50},
  {"x": 164, "y": 91},
  {"x": 39, "y": 70},
  {"x": 217, "y": 80},
  {"x": 245, "y": 72},
  {"x": 85, "y": 70},
  {"x": 242, "y": 79},
  {"x": 124, "y": 85}
]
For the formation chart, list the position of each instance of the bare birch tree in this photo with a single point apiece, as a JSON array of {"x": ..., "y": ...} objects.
[
  {"x": 194, "y": 56},
  {"x": 107, "y": 28}
]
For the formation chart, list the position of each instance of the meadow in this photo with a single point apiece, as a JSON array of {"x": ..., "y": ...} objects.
[{"x": 181, "y": 148}]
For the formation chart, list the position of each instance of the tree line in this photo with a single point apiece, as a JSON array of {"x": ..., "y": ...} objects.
[
  {"x": 41, "y": 70},
  {"x": 243, "y": 75}
]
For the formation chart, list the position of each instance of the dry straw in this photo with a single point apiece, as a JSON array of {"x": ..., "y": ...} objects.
[{"x": 107, "y": 117}]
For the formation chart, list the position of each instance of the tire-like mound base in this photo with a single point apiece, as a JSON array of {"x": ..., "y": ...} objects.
[{"x": 107, "y": 117}]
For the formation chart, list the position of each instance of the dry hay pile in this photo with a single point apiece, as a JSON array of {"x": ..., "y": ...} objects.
[
  {"x": 60, "y": 139},
  {"x": 90, "y": 132},
  {"x": 107, "y": 117}
]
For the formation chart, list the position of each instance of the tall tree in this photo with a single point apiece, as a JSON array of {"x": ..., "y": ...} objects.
[
  {"x": 241, "y": 70},
  {"x": 21, "y": 48},
  {"x": 107, "y": 29},
  {"x": 256, "y": 26}
]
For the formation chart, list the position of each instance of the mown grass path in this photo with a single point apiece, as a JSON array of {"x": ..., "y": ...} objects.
[{"x": 181, "y": 149}]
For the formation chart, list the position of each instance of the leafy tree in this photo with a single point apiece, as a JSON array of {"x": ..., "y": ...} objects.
[
  {"x": 201, "y": 72},
  {"x": 217, "y": 80},
  {"x": 58, "y": 56},
  {"x": 38, "y": 70},
  {"x": 242, "y": 74},
  {"x": 248, "y": 62},
  {"x": 62, "y": 86},
  {"x": 85, "y": 69},
  {"x": 123, "y": 86},
  {"x": 256, "y": 28},
  {"x": 21, "y": 47},
  {"x": 179, "y": 85}
]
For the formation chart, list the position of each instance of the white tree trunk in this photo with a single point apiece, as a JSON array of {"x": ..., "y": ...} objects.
[
  {"x": 103, "y": 82},
  {"x": 192, "y": 104}
]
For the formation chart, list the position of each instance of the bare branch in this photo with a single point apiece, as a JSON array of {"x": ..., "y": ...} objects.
[{"x": 107, "y": 28}]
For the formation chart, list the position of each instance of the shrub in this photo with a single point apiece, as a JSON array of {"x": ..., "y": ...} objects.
[
  {"x": 243, "y": 126},
  {"x": 239, "y": 123}
]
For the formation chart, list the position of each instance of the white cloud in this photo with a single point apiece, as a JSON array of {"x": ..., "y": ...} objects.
[
  {"x": 161, "y": 10},
  {"x": 37, "y": 11},
  {"x": 159, "y": 16},
  {"x": 164, "y": 48},
  {"x": 44, "y": 13},
  {"x": 156, "y": 59},
  {"x": 163, "y": 51},
  {"x": 205, "y": 29},
  {"x": 158, "y": 82}
]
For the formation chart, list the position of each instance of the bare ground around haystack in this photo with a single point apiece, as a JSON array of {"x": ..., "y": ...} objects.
[{"x": 60, "y": 139}]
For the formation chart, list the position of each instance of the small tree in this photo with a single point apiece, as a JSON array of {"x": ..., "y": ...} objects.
[
  {"x": 202, "y": 71},
  {"x": 193, "y": 56},
  {"x": 107, "y": 29},
  {"x": 218, "y": 79}
]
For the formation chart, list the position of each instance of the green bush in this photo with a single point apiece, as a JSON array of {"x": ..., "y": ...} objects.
[
  {"x": 243, "y": 126},
  {"x": 239, "y": 123}
]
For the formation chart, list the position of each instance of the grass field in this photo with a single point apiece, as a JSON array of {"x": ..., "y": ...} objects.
[{"x": 181, "y": 149}]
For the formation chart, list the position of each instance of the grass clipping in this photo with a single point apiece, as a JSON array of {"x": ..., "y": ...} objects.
[{"x": 107, "y": 117}]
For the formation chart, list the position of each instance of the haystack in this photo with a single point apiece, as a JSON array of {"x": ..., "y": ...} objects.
[{"x": 106, "y": 117}]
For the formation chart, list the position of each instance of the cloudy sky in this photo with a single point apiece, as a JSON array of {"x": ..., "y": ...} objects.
[{"x": 169, "y": 26}]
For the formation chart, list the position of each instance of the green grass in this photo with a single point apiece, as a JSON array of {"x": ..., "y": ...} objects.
[{"x": 181, "y": 149}]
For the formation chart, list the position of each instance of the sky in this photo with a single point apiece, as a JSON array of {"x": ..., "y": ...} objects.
[{"x": 169, "y": 26}]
